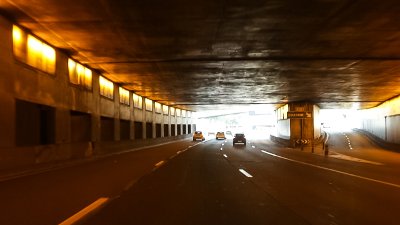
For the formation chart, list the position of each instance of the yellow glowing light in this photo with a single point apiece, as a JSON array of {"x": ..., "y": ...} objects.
[
  {"x": 149, "y": 104},
  {"x": 123, "y": 95},
  {"x": 71, "y": 66},
  {"x": 34, "y": 45},
  {"x": 106, "y": 87},
  {"x": 165, "y": 109},
  {"x": 49, "y": 53},
  {"x": 88, "y": 78},
  {"x": 137, "y": 101},
  {"x": 17, "y": 35},
  {"x": 80, "y": 71},
  {"x": 19, "y": 43}
]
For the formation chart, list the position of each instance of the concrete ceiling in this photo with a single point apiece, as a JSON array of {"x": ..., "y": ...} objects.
[{"x": 209, "y": 54}]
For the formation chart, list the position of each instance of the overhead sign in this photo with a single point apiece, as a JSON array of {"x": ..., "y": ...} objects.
[{"x": 299, "y": 115}]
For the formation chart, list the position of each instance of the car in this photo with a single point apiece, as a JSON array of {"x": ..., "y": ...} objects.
[
  {"x": 198, "y": 135},
  {"x": 220, "y": 135},
  {"x": 239, "y": 138}
]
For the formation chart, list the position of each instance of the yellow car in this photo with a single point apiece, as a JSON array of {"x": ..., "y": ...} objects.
[
  {"x": 198, "y": 135},
  {"x": 220, "y": 135}
]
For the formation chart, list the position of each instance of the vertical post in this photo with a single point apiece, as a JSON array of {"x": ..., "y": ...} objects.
[{"x": 301, "y": 133}]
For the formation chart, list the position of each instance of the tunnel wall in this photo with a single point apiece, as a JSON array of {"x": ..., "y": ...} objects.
[
  {"x": 383, "y": 121},
  {"x": 46, "y": 118}
]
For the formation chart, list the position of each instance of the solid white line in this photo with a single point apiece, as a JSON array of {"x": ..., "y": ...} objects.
[
  {"x": 225, "y": 156},
  {"x": 245, "y": 173},
  {"x": 332, "y": 170},
  {"x": 159, "y": 163},
  {"x": 129, "y": 185},
  {"x": 86, "y": 211}
]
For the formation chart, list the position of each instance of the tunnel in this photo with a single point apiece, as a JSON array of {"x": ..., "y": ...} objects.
[{"x": 102, "y": 101}]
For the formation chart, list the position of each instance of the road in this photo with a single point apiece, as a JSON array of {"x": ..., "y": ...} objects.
[{"x": 213, "y": 182}]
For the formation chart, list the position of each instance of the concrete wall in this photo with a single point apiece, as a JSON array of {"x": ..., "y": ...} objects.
[
  {"x": 283, "y": 129},
  {"x": 383, "y": 121},
  {"x": 46, "y": 118}
]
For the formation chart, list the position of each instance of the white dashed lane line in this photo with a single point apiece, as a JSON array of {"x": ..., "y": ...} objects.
[
  {"x": 244, "y": 172},
  {"x": 85, "y": 212},
  {"x": 225, "y": 156},
  {"x": 333, "y": 170},
  {"x": 159, "y": 163}
]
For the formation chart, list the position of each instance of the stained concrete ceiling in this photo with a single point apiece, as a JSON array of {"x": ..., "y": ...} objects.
[{"x": 210, "y": 54}]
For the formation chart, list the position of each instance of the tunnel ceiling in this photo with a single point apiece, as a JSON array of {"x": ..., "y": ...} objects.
[{"x": 212, "y": 54}]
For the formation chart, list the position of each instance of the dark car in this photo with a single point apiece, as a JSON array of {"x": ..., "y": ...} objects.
[{"x": 239, "y": 138}]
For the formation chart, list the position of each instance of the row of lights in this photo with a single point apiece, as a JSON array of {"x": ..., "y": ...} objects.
[{"x": 42, "y": 56}]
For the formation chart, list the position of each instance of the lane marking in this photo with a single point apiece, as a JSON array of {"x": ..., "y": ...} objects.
[
  {"x": 221, "y": 149},
  {"x": 245, "y": 173},
  {"x": 85, "y": 212},
  {"x": 350, "y": 158},
  {"x": 225, "y": 156},
  {"x": 159, "y": 163},
  {"x": 253, "y": 146},
  {"x": 129, "y": 185},
  {"x": 333, "y": 170}
]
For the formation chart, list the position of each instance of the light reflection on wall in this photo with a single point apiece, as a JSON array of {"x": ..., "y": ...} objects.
[
  {"x": 137, "y": 101},
  {"x": 157, "y": 107},
  {"x": 165, "y": 109},
  {"x": 33, "y": 51},
  {"x": 106, "y": 88},
  {"x": 123, "y": 96},
  {"x": 148, "y": 104},
  {"x": 79, "y": 75}
]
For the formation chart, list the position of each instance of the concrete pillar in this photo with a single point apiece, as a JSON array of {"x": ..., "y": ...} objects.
[
  {"x": 176, "y": 123},
  {"x": 132, "y": 118},
  {"x": 162, "y": 121},
  {"x": 153, "y": 120},
  {"x": 304, "y": 123},
  {"x": 144, "y": 118},
  {"x": 117, "y": 130},
  {"x": 169, "y": 122}
]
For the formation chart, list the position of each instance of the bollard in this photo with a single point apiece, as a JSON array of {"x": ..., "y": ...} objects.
[{"x": 326, "y": 150}]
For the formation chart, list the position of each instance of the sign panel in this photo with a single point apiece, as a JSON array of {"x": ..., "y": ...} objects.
[{"x": 298, "y": 115}]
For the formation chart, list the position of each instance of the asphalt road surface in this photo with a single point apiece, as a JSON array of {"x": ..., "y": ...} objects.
[{"x": 214, "y": 182}]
